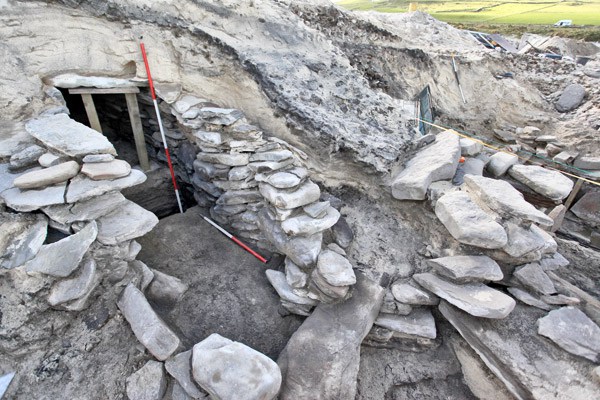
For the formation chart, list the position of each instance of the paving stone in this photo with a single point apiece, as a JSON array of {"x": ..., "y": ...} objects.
[
  {"x": 61, "y": 133},
  {"x": 21, "y": 237},
  {"x": 180, "y": 368},
  {"x": 474, "y": 298},
  {"x": 468, "y": 223},
  {"x": 335, "y": 269},
  {"x": 284, "y": 290},
  {"x": 467, "y": 268},
  {"x": 573, "y": 331},
  {"x": 86, "y": 210},
  {"x": 47, "y": 176},
  {"x": 232, "y": 370},
  {"x": 63, "y": 257},
  {"x": 570, "y": 98},
  {"x": 500, "y": 163},
  {"x": 533, "y": 277},
  {"x": 148, "y": 383},
  {"x": 307, "y": 193},
  {"x": 106, "y": 170},
  {"x": 548, "y": 183},
  {"x": 434, "y": 163},
  {"x": 504, "y": 199},
  {"x": 408, "y": 294},
  {"x": 83, "y": 188},
  {"x": 27, "y": 157},
  {"x": 419, "y": 322},
  {"x": 147, "y": 326},
  {"x": 126, "y": 222},
  {"x": 76, "y": 287}
]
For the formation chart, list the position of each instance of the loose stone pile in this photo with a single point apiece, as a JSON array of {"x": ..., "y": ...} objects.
[{"x": 501, "y": 238}]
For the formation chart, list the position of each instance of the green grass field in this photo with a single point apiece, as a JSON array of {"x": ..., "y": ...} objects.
[
  {"x": 507, "y": 17},
  {"x": 540, "y": 12}
]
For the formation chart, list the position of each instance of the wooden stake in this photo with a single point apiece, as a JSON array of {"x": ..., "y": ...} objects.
[
  {"x": 138, "y": 132},
  {"x": 90, "y": 110}
]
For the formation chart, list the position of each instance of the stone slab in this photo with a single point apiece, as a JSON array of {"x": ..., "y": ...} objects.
[
  {"x": 86, "y": 210},
  {"x": 306, "y": 225},
  {"x": 126, "y": 222},
  {"x": 106, "y": 170},
  {"x": 419, "y": 322},
  {"x": 147, "y": 326},
  {"x": 31, "y": 200},
  {"x": 468, "y": 223},
  {"x": 147, "y": 383},
  {"x": 47, "y": 176},
  {"x": 284, "y": 290},
  {"x": 21, "y": 237},
  {"x": 548, "y": 183},
  {"x": 467, "y": 268},
  {"x": 475, "y": 298},
  {"x": 66, "y": 136},
  {"x": 83, "y": 188},
  {"x": 307, "y": 193},
  {"x": 435, "y": 163},
  {"x": 180, "y": 368},
  {"x": 504, "y": 199}
]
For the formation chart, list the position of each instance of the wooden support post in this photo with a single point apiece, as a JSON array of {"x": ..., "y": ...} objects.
[
  {"x": 138, "y": 132},
  {"x": 574, "y": 192},
  {"x": 90, "y": 110}
]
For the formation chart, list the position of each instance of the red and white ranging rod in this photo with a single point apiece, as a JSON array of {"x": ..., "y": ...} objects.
[
  {"x": 236, "y": 240},
  {"x": 160, "y": 125}
]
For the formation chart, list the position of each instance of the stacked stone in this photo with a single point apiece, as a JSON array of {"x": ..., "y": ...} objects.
[{"x": 71, "y": 175}]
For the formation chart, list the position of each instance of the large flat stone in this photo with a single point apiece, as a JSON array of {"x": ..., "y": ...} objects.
[
  {"x": 21, "y": 237},
  {"x": 504, "y": 199},
  {"x": 475, "y": 298},
  {"x": 570, "y": 98},
  {"x": 232, "y": 160},
  {"x": 61, "y": 133},
  {"x": 63, "y": 257},
  {"x": 86, "y": 210},
  {"x": 408, "y": 294},
  {"x": 306, "y": 225},
  {"x": 47, "y": 176},
  {"x": 126, "y": 222},
  {"x": 528, "y": 364},
  {"x": 106, "y": 170},
  {"x": 31, "y": 200},
  {"x": 83, "y": 188},
  {"x": 468, "y": 223},
  {"x": 588, "y": 162},
  {"x": 303, "y": 251},
  {"x": 522, "y": 241},
  {"x": 533, "y": 277},
  {"x": 573, "y": 331},
  {"x": 467, "y": 268},
  {"x": 551, "y": 184},
  {"x": 307, "y": 193},
  {"x": 75, "y": 288},
  {"x": 419, "y": 322},
  {"x": 321, "y": 359},
  {"x": 232, "y": 370},
  {"x": 147, "y": 326},
  {"x": 435, "y": 163}
]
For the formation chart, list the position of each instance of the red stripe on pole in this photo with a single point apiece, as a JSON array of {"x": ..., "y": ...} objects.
[
  {"x": 248, "y": 249},
  {"x": 171, "y": 168},
  {"x": 148, "y": 70}
]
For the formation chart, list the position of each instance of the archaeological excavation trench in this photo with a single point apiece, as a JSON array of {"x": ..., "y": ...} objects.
[{"x": 458, "y": 261}]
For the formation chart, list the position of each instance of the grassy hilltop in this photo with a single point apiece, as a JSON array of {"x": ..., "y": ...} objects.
[{"x": 508, "y": 17}]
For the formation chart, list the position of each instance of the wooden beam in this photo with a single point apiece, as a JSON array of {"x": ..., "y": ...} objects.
[
  {"x": 118, "y": 90},
  {"x": 90, "y": 110},
  {"x": 574, "y": 192},
  {"x": 138, "y": 132}
]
